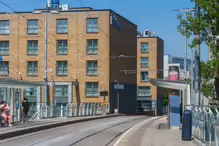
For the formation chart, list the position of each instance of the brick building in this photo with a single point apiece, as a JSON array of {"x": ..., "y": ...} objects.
[
  {"x": 84, "y": 46},
  {"x": 150, "y": 65}
]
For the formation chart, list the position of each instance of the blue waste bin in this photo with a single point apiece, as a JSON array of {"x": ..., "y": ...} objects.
[{"x": 187, "y": 125}]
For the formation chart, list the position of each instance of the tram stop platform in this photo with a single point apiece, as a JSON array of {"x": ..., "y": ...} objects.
[{"x": 31, "y": 126}]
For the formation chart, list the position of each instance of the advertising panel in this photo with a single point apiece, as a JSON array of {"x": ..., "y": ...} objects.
[{"x": 174, "y": 76}]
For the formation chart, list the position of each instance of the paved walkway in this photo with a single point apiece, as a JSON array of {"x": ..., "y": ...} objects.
[
  {"x": 149, "y": 134},
  {"x": 163, "y": 137}
]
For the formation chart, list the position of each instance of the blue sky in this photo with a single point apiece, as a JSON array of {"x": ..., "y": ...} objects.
[{"x": 155, "y": 15}]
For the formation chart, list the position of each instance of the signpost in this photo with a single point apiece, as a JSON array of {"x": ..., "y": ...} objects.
[
  {"x": 118, "y": 86},
  {"x": 104, "y": 94}
]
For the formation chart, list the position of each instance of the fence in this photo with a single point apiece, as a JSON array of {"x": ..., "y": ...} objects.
[
  {"x": 42, "y": 111},
  {"x": 205, "y": 123}
]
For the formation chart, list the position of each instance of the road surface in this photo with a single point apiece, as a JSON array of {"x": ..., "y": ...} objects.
[{"x": 103, "y": 132}]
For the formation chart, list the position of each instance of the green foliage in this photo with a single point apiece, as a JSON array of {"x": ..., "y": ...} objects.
[
  {"x": 166, "y": 97},
  {"x": 205, "y": 23}
]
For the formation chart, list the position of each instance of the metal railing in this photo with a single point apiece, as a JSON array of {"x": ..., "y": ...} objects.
[
  {"x": 42, "y": 111},
  {"x": 145, "y": 107},
  {"x": 205, "y": 123}
]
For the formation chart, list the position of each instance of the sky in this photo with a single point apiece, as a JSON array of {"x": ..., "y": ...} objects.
[{"x": 155, "y": 15}]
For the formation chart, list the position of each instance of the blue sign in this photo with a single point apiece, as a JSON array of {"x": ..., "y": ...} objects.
[
  {"x": 54, "y": 4},
  {"x": 115, "y": 21},
  {"x": 0, "y": 58}
]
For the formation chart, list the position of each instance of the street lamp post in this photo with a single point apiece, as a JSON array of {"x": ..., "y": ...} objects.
[
  {"x": 117, "y": 96},
  {"x": 186, "y": 51}
]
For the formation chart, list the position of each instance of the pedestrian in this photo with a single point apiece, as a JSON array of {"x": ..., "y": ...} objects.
[
  {"x": 5, "y": 113},
  {"x": 25, "y": 106}
]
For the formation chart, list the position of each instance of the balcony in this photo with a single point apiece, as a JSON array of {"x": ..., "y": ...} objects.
[
  {"x": 4, "y": 52},
  {"x": 144, "y": 94},
  {"x": 144, "y": 65},
  {"x": 144, "y": 51}
]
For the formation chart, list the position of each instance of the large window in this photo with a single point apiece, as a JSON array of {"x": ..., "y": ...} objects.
[
  {"x": 32, "y": 47},
  {"x": 92, "y": 89},
  {"x": 4, "y": 68},
  {"x": 92, "y": 25},
  {"x": 4, "y": 48},
  {"x": 62, "y": 68},
  {"x": 30, "y": 92},
  {"x": 92, "y": 46},
  {"x": 32, "y": 68},
  {"x": 62, "y": 47},
  {"x": 144, "y": 48},
  {"x": 32, "y": 27},
  {"x": 61, "y": 90},
  {"x": 4, "y": 27},
  {"x": 144, "y": 62},
  {"x": 144, "y": 76},
  {"x": 144, "y": 91},
  {"x": 92, "y": 68},
  {"x": 62, "y": 26}
]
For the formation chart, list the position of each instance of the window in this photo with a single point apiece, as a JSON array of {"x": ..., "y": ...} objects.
[
  {"x": 92, "y": 46},
  {"x": 30, "y": 92},
  {"x": 32, "y": 68},
  {"x": 32, "y": 27},
  {"x": 92, "y": 89},
  {"x": 144, "y": 76},
  {"x": 4, "y": 26},
  {"x": 144, "y": 62},
  {"x": 4, "y": 48},
  {"x": 62, "y": 26},
  {"x": 62, "y": 68},
  {"x": 92, "y": 68},
  {"x": 62, "y": 47},
  {"x": 144, "y": 91},
  {"x": 92, "y": 25},
  {"x": 61, "y": 90},
  {"x": 2, "y": 92},
  {"x": 144, "y": 48},
  {"x": 4, "y": 68},
  {"x": 32, "y": 47}
]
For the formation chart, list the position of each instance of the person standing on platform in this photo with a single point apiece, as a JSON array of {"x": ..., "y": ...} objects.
[{"x": 25, "y": 106}]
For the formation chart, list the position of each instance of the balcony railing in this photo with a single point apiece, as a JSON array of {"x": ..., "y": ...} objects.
[
  {"x": 144, "y": 65},
  {"x": 144, "y": 51},
  {"x": 144, "y": 94}
]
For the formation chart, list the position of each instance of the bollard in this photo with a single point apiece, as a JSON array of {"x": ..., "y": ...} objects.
[{"x": 187, "y": 125}]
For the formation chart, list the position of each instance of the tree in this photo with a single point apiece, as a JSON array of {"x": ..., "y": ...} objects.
[
  {"x": 166, "y": 97},
  {"x": 206, "y": 24}
]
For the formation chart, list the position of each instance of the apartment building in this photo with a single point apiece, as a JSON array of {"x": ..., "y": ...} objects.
[
  {"x": 84, "y": 49},
  {"x": 150, "y": 65}
]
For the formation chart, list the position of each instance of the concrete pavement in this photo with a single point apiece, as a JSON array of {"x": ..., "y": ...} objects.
[
  {"x": 103, "y": 132},
  {"x": 149, "y": 134},
  {"x": 34, "y": 126}
]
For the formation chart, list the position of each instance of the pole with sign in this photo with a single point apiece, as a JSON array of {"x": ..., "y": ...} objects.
[
  {"x": 118, "y": 86},
  {"x": 104, "y": 94}
]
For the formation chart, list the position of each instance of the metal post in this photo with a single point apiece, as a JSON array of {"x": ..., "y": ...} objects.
[
  {"x": 46, "y": 59},
  {"x": 186, "y": 49},
  {"x": 118, "y": 98},
  {"x": 192, "y": 76},
  {"x": 197, "y": 61}
]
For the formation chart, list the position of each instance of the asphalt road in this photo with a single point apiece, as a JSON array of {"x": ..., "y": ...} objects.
[{"x": 103, "y": 132}]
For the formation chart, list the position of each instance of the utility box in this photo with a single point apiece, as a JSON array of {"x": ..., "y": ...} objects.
[{"x": 187, "y": 125}]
